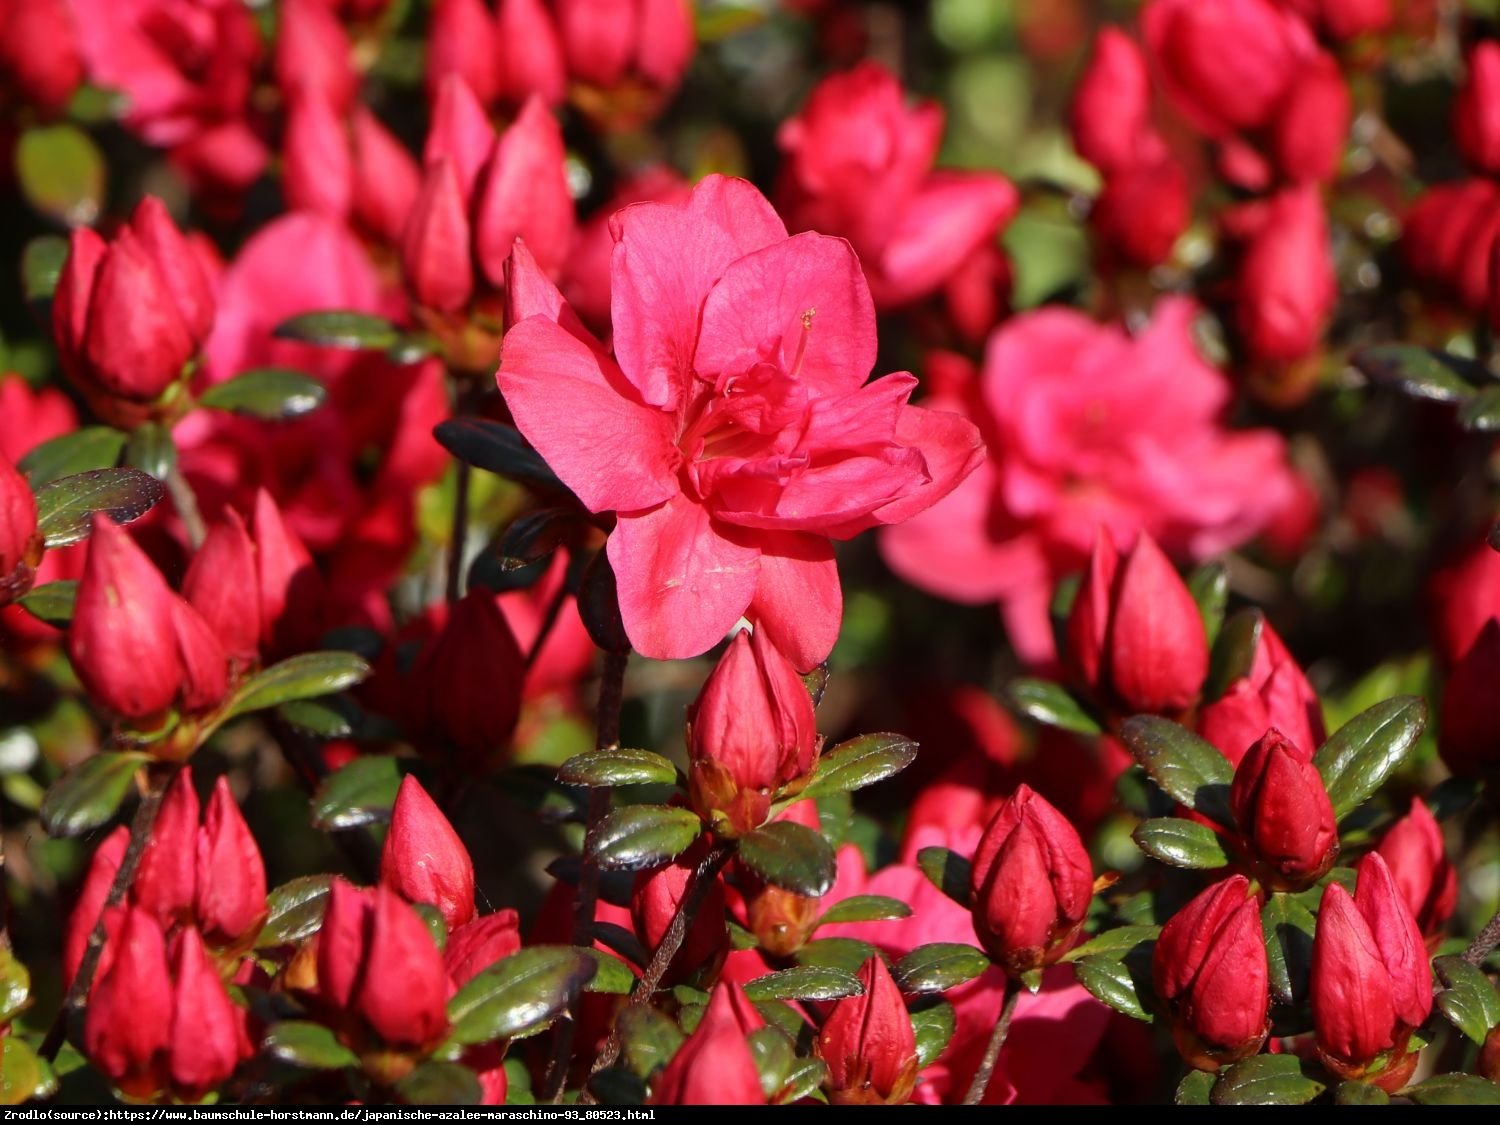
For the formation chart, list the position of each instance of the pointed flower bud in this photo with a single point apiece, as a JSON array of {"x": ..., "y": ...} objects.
[
  {"x": 868, "y": 1043},
  {"x": 167, "y": 879},
  {"x": 435, "y": 259},
  {"x": 1476, "y": 110},
  {"x": 714, "y": 1066},
  {"x": 1413, "y": 849},
  {"x": 230, "y": 900},
  {"x": 1285, "y": 819},
  {"x": 1209, "y": 966},
  {"x": 40, "y": 60},
  {"x": 525, "y": 195},
  {"x": 1275, "y": 694},
  {"x": 653, "y": 904},
  {"x": 1370, "y": 983},
  {"x": 128, "y": 1021},
  {"x": 1312, "y": 123},
  {"x": 476, "y": 946},
  {"x": 751, "y": 731},
  {"x": 461, "y": 41},
  {"x": 531, "y": 61},
  {"x": 20, "y": 544},
  {"x": 317, "y": 170},
  {"x": 385, "y": 178},
  {"x": 313, "y": 54},
  {"x": 221, "y": 584},
  {"x": 101, "y": 876},
  {"x": 1031, "y": 884},
  {"x": 208, "y": 1037},
  {"x": 423, "y": 858},
  {"x": 1111, "y": 112}
]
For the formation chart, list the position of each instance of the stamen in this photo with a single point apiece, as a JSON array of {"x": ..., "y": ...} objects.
[{"x": 807, "y": 321}]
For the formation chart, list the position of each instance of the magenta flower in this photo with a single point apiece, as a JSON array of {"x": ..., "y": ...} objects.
[{"x": 732, "y": 431}]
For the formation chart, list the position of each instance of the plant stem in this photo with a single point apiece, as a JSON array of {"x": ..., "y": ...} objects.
[
  {"x": 157, "y": 781},
  {"x": 460, "y": 532},
  {"x": 986, "y": 1069},
  {"x": 1484, "y": 943},
  {"x": 187, "y": 506}
]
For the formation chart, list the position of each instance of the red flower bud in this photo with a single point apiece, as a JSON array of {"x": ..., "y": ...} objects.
[
  {"x": 386, "y": 180},
  {"x": 128, "y": 1021},
  {"x": 605, "y": 41},
  {"x": 1285, "y": 819},
  {"x": 136, "y": 645},
  {"x": 531, "y": 61},
  {"x": 86, "y": 911},
  {"x": 208, "y": 1032},
  {"x": 179, "y": 265},
  {"x": 1274, "y": 694},
  {"x": 1370, "y": 984},
  {"x": 1135, "y": 637},
  {"x": 653, "y": 904},
  {"x": 1413, "y": 850},
  {"x": 461, "y": 133},
  {"x": 1448, "y": 238},
  {"x": 377, "y": 960},
  {"x": 1476, "y": 110},
  {"x": 221, "y": 584},
  {"x": 423, "y": 858},
  {"x": 752, "y": 730},
  {"x": 39, "y": 57},
  {"x": 292, "y": 595},
  {"x": 435, "y": 257},
  {"x": 1469, "y": 735},
  {"x": 474, "y": 947},
  {"x": 1031, "y": 884},
  {"x": 166, "y": 881},
  {"x": 1286, "y": 285},
  {"x": 1142, "y": 212},
  {"x": 317, "y": 171},
  {"x": 461, "y": 41},
  {"x": 1111, "y": 112},
  {"x": 714, "y": 1066},
  {"x": 313, "y": 54},
  {"x": 20, "y": 545},
  {"x": 1209, "y": 966},
  {"x": 230, "y": 902},
  {"x": 868, "y": 1043},
  {"x": 525, "y": 195},
  {"x": 1312, "y": 123}
]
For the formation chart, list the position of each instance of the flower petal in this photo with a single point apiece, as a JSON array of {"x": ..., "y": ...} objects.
[{"x": 798, "y": 602}]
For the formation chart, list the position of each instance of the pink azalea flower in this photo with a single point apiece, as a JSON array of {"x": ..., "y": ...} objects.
[
  {"x": 732, "y": 431},
  {"x": 1088, "y": 427}
]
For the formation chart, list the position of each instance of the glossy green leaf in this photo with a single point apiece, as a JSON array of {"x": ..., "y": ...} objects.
[
  {"x": 1209, "y": 585},
  {"x": 1187, "y": 768},
  {"x": 1195, "y": 1088},
  {"x": 1360, "y": 1093},
  {"x": 611, "y": 975},
  {"x": 865, "y": 908},
  {"x": 948, "y": 871},
  {"x": 1419, "y": 372},
  {"x": 802, "y": 1081},
  {"x": 860, "y": 762},
  {"x": 1481, "y": 414},
  {"x": 1179, "y": 842},
  {"x": 61, "y": 173},
  {"x": 360, "y": 792},
  {"x": 648, "y": 1038},
  {"x": 436, "y": 1082},
  {"x": 306, "y": 676},
  {"x": 82, "y": 451},
  {"x": 805, "y": 982},
  {"x": 310, "y": 1046},
  {"x": 791, "y": 856},
  {"x": 848, "y": 954},
  {"x": 267, "y": 392},
  {"x": 340, "y": 328},
  {"x": 326, "y": 717},
  {"x": 66, "y": 506},
  {"x": 519, "y": 995},
  {"x": 1366, "y": 750},
  {"x": 1111, "y": 981},
  {"x": 938, "y": 967},
  {"x": 1114, "y": 943},
  {"x": 1468, "y": 999},
  {"x": 617, "y": 765},
  {"x": 1051, "y": 705},
  {"x": 90, "y": 793},
  {"x": 294, "y": 911},
  {"x": 15, "y": 986},
  {"x": 496, "y": 448},
  {"x": 24, "y": 1075},
  {"x": 1265, "y": 1080},
  {"x": 1288, "y": 928},
  {"x": 41, "y": 265},
  {"x": 52, "y": 602},
  {"x": 1454, "y": 1089},
  {"x": 1233, "y": 651},
  {"x": 774, "y": 1054},
  {"x": 933, "y": 1020},
  {"x": 639, "y": 836}
]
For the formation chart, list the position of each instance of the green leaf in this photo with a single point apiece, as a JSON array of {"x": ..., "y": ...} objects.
[
  {"x": 938, "y": 967},
  {"x": 805, "y": 982},
  {"x": 639, "y": 836},
  {"x": 359, "y": 792},
  {"x": 340, "y": 328},
  {"x": 802, "y": 1081},
  {"x": 310, "y": 1046},
  {"x": 1188, "y": 769},
  {"x": 1209, "y": 585},
  {"x": 1265, "y": 1080},
  {"x": 82, "y": 451},
  {"x": 15, "y": 986},
  {"x": 52, "y": 602},
  {"x": 865, "y": 908},
  {"x": 948, "y": 871},
  {"x": 61, "y": 173},
  {"x": 1180, "y": 843},
  {"x": 790, "y": 856},
  {"x": 860, "y": 762},
  {"x": 774, "y": 1054},
  {"x": 295, "y": 911},
  {"x": 611, "y": 975},
  {"x": 816, "y": 682},
  {"x": 1110, "y": 981},
  {"x": 306, "y": 676},
  {"x": 41, "y": 265},
  {"x": 1367, "y": 749},
  {"x": 616, "y": 1085},
  {"x": 436, "y": 1082},
  {"x": 1454, "y": 1089},
  {"x": 496, "y": 448},
  {"x": 1114, "y": 943},
  {"x": 1233, "y": 652},
  {"x": 519, "y": 995},
  {"x": 617, "y": 765},
  {"x": 90, "y": 793},
  {"x": 1288, "y": 928},
  {"x": 933, "y": 1021},
  {"x": 776, "y": 1012},
  {"x": 23, "y": 1074},
  {"x": 848, "y": 954},
  {"x": 267, "y": 392},
  {"x": 66, "y": 506},
  {"x": 1419, "y": 372},
  {"x": 648, "y": 1038},
  {"x": 327, "y": 717},
  {"x": 151, "y": 449},
  {"x": 1481, "y": 414},
  {"x": 1194, "y": 1089},
  {"x": 1051, "y": 705},
  {"x": 1468, "y": 1000},
  {"x": 1360, "y": 1093}
]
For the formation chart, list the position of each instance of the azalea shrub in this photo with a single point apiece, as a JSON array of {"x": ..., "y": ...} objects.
[{"x": 620, "y": 553}]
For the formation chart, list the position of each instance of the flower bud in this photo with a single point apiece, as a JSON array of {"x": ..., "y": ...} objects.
[
  {"x": 40, "y": 61},
  {"x": 1469, "y": 733},
  {"x": 1135, "y": 637},
  {"x": 20, "y": 544},
  {"x": 1448, "y": 238},
  {"x": 1286, "y": 284},
  {"x": 477, "y": 945},
  {"x": 1312, "y": 123},
  {"x": 1476, "y": 110},
  {"x": 435, "y": 259},
  {"x": 1031, "y": 884},
  {"x": 1111, "y": 112},
  {"x": 386, "y": 181},
  {"x": 1283, "y": 814},
  {"x": 525, "y": 195},
  {"x": 167, "y": 879},
  {"x": 292, "y": 595},
  {"x": 1413, "y": 850},
  {"x": 1209, "y": 967},
  {"x": 460, "y": 133},
  {"x": 179, "y": 264},
  {"x": 654, "y": 902},
  {"x": 96, "y": 884},
  {"x": 714, "y": 1066},
  {"x": 317, "y": 172},
  {"x": 461, "y": 41},
  {"x": 531, "y": 60},
  {"x": 751, "y": 731},
  {"x": 606, "y": 42},
  {"x": 230, "y": 900},
  {"x": 221, "y": 584},
  {"x": 868, "y": 1043},
  {"x": 1274, "y": 694},
  {"x": 208, "y": 1032},
  {"x": 1142, "y": 212},
  {"x": 128, "y": 1021},
  {"x": 313, "y": 54},
  {"x": 423, "y": 858},
  {"x": 1370, "y": 984}
]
